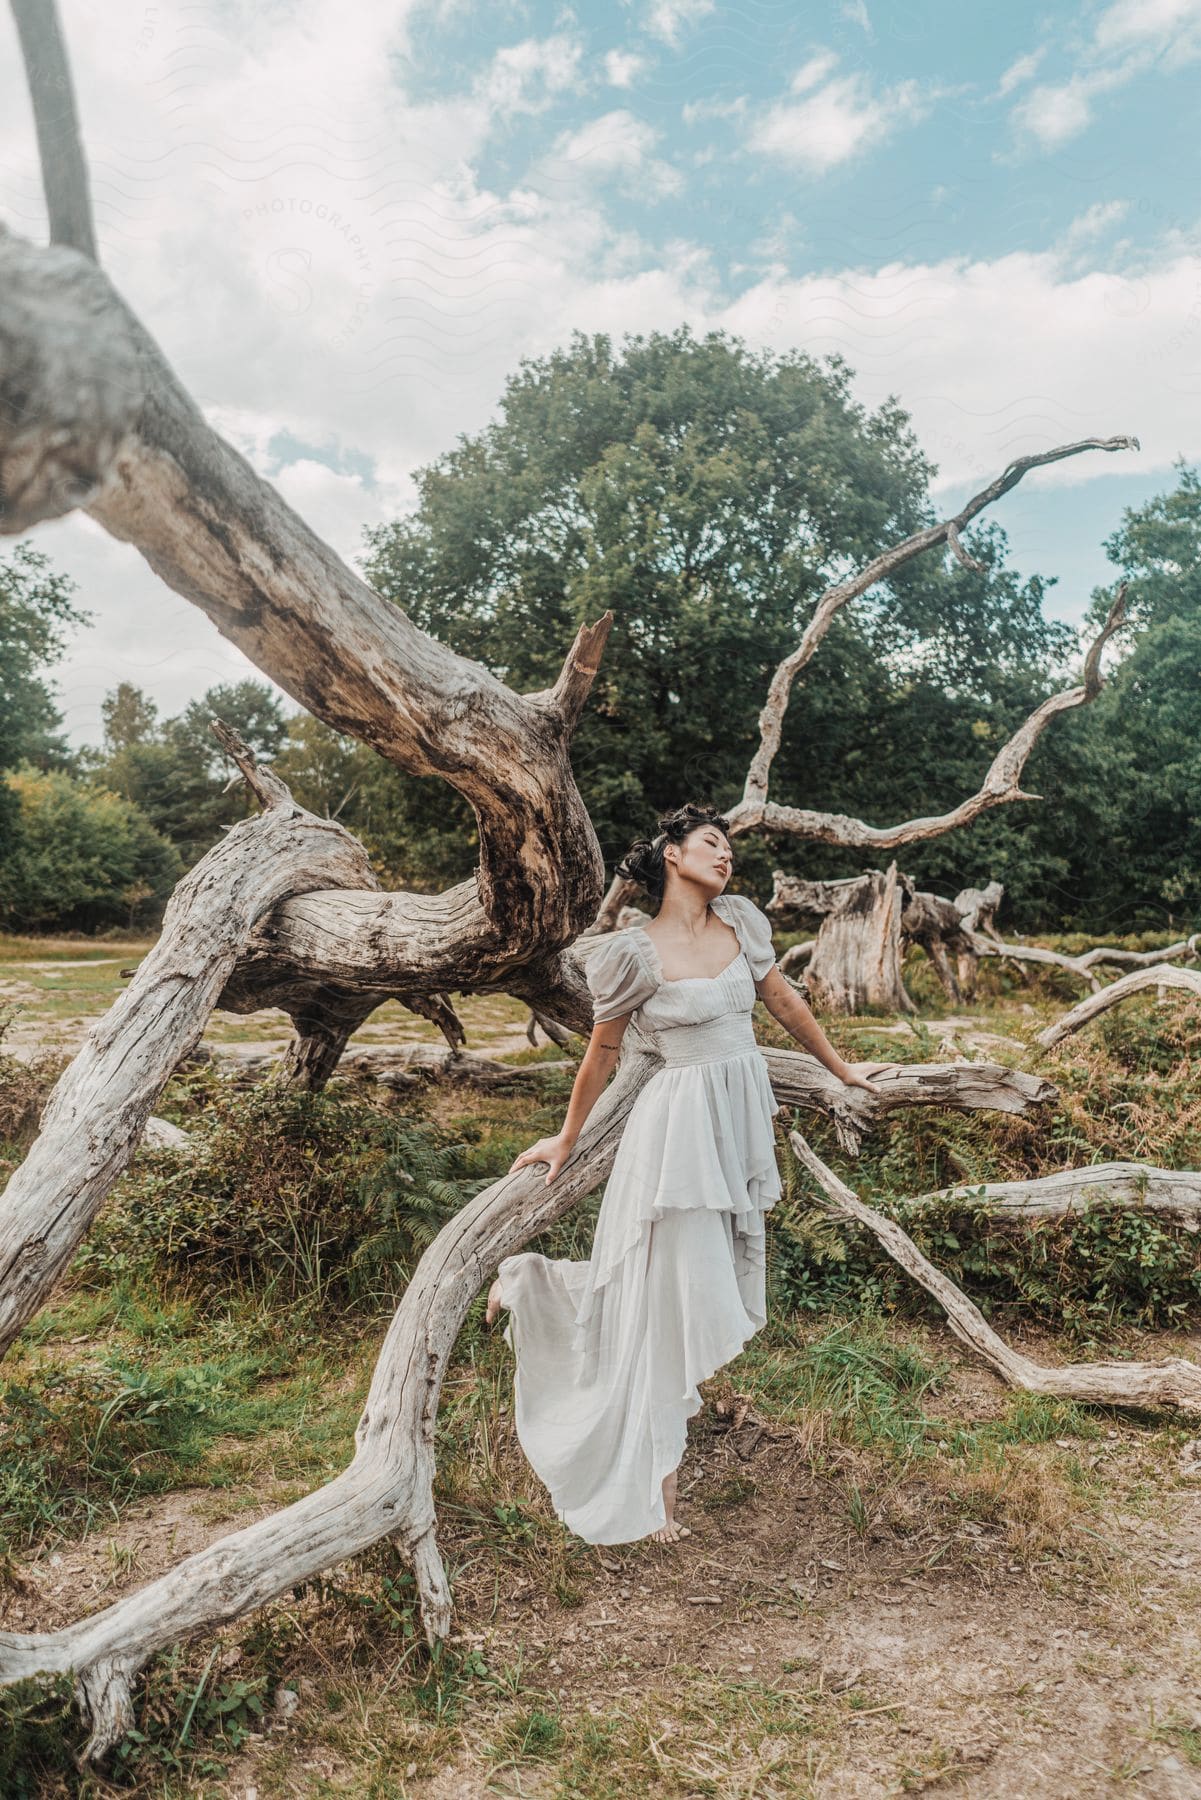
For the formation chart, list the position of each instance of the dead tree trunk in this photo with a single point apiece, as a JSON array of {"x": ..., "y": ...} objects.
[
  {"x": 937, "y": 926},
  {"x": 856, "y": 961},
  {"x": 1174, "y": 1192},
  {"x": 977, "y": 912},
  {"x": 93, "y": 417}
]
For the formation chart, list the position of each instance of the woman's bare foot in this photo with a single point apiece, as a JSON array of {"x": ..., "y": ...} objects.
[
  {"x": 494, "y": 1303},
  {"x": 671, "y": 1532}
]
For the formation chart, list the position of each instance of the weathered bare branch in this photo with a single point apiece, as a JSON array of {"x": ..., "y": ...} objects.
[
  {"x": 1138, "y": 959},
  {"x": 1005, "y": 951},
  {"x": 1176, "y": 1192},
  {"x": 1162, "y": 975},
  {"x": 771, "y": 720},
  {"x": 1172, "y": 1383},
  {"x": 64, "y": 170},
  {"x": 800, "y": 1080},
  {"x": 91, "y": 413},
  {"x": 1000, "y": 787}
]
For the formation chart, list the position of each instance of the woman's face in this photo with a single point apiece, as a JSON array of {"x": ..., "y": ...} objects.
[{"x": 704, "y": 858}]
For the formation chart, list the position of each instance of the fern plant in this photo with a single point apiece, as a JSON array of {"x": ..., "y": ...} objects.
[{"x": 408, "y": 1197}]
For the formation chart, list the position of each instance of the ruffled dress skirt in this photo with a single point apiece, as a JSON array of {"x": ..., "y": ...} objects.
[{"x": 610, "y": 1352}]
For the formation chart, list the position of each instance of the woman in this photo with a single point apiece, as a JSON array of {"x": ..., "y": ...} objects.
[{"x": 610, "y": 1351}]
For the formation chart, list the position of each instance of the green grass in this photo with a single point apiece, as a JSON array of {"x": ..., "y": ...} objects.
[
  {"x": 163, "y": 1396},
  {"x": 211, "y": 1337},
  {"x": 868, "y": 1385}
]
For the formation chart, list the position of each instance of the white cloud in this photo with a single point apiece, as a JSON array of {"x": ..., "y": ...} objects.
[
  {"x": 1173, "y": 26},
  {"x": 1129, "y": 37},
  {"x": 1020, "y": 71},
  {"x": 814, "y": 71},
  {"x": 669, "y": 19},
  {"x": 617, "y": 144},
  {"x": 836, "y": 123},
  {"x": 1095, "y": 221},
  {"x": 623, "y": 67},
  {"x": 856, "y": 11},
  {"x": 526, "y": 77},
  {"x": 1056, "y": 113},
  {"x": 696, "y": 112},
  {"x": 993, "y": 358}
]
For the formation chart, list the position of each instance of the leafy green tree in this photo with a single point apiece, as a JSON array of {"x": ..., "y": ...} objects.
[
  {"x": 37, "y": 613},
  {"x": 708, "y": 494},
  {"x": 129, "y": 717},
  {"x": 83, "y": 858},
  {"x": 1138, "y": 862},
  {"x": 176, "y": 771}
]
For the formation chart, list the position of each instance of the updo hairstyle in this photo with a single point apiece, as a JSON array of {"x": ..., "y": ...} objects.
[{"x": 643, "y": 861}]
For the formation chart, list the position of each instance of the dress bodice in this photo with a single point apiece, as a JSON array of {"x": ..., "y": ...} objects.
[
  {"x": 703, "y": 1018},
  {"x": 694, "y": 1018}
]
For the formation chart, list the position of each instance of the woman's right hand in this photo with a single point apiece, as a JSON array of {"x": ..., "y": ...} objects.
[{"x": 552, "y": 1150}]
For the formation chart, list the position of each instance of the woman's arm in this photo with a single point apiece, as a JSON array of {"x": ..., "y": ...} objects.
[
  {"x": 597, "y": 1064},
  {"x": 785, "y": 1004}
]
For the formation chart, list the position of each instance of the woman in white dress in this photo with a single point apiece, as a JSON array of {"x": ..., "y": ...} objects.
[{"x": 609, "y": 1352}]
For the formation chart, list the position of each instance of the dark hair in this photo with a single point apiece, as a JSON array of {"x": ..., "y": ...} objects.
[{"x": 643, "y": 861}]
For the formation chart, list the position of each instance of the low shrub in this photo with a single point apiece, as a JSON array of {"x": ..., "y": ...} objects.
[
  {"x": 1103, "y": 1268},
  {"x": 305, "y": 1195}
]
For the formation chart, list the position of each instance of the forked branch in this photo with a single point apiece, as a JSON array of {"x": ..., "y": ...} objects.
[
  {"x": 1000, "y": 787},
  {"x": 1175, "y": 1382},
  {"x": 771, "y": 719}
]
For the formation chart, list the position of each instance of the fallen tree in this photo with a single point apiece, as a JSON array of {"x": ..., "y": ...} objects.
[
  {"x": 1174, "y": 1192},
  {"x": 1160, "y": 975},
  {"x": 286, "y": 913}
]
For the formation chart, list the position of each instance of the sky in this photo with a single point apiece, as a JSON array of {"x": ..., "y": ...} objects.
[{"x": 346, "y": 225}]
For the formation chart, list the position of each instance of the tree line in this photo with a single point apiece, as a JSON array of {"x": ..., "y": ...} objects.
[{"x": 707, "y": 494}]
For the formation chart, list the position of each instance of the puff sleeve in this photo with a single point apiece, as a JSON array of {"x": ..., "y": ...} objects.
[
  {"x": 754, "y": 933},
  {"x": 619, "y": 976}
]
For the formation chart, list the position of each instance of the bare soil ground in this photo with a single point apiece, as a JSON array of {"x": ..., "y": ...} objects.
[{"x": 998, "y": 1640}]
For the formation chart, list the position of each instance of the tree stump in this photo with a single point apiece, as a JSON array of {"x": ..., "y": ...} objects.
[{"x": 856, "y": 961}]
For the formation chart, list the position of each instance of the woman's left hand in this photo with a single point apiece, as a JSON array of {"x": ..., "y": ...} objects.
[{"x": 856, "y": 1075}]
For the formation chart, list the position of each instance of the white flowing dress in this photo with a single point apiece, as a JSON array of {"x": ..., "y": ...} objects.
[{"x": 609, "y": 1352}]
